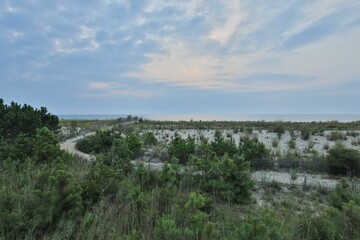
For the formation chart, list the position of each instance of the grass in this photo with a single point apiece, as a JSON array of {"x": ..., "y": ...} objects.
[
  {"x": 336, "y": 135},
  {"x": 292, "y": 144},
  {"x": 275, "y": 143}
]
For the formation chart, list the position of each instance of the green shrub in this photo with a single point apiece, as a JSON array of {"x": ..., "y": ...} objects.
[
  {"x": 182, "y": 149},
  {"x": 352, "y": 217},
  {"x": 327, "y": 225},
  {"x": 336, "y": 135},
  {"x": 342, "y": 194},
  {"x": 166, "y": 228},
  {"x": 275, "y": 143},
  {"x": 134, "y": 144},
  {"x": 263, "y": 225},
  {"x": 101, "y": 142},
  {"x": 344, "y": 161},
  {"x": 252, "y": 149},
  {"x": 149, "y": 139},
  {"x": 279, "y": 129},
  {"x": 292, "y": 144},
  {"x": 222, "y": 146},
  {"x": 229, "y": 179},
  {"x": 305, "y": 134}
]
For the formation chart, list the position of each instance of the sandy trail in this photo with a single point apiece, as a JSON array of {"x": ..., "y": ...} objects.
[{"x": 69, "y": 146}]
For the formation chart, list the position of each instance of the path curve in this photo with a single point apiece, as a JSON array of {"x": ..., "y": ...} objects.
[{"x": 69, "y": 146}]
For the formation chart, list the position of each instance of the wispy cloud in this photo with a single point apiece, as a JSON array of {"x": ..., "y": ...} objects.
[
  {"x": 115, "y": 89},
  {"x": 184, "y": 63},
  {"x": 84, "y": 40},
  {"x": 155, "y": 48},
  {"x": 224, "y": 30}
]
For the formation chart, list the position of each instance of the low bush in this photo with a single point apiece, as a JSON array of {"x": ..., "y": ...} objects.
[
  {"x": 336, "y": 135},
  {"x": 343, "y": 161}
]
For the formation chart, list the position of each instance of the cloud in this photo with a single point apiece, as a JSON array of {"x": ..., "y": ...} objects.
[
  {"x": 116, "y": 89},
  {"x": 83, "y": 41},
  {"x": 224, "y": 31},
  {"x": 146, "y": 49},
  {"x": 243, "y": 54},
  {"x": 314, "y": 11},
  {"x": 99, "y": 85}
]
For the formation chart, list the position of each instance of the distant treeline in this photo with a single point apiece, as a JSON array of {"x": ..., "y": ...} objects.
[{"x": 276, "y": 126}]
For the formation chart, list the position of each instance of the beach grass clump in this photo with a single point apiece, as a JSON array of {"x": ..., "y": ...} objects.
[
  {"x": 275, "y": 143},
  {"x": 326, "y": 146},
  {"x": 336, "y": 136},
  {"x": 292, "y": 144},
  {"x": 305, "y": 134}
]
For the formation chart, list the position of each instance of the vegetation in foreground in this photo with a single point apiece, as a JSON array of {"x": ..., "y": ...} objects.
[{"x": 47, "y": 194}]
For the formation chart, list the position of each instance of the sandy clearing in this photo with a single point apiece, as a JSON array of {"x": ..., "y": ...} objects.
[
  {"x": 258, "y": 176},
  {"x": 69, "y": 146}
]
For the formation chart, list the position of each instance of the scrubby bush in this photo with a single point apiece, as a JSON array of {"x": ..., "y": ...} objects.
[
  {"x": 263, "y": 225},
  {"x": 229, "y": 179},
  {"x": 292, "y": 144},
  {"x": 279, "y": 129},
  {"x": 101, "y": 142},
  {"x": 326, "y": 226},
  {"x": 336, "y": 135},
  {"x": 344, "y": 161},
  {"x": 222, "y": 146},
  {"x": 275, "y": 143},
  {"x": 134, "y": 144},
  {"x": 342, "y": 194},
  {"x": 352, "y": 220},
  {"x": 181, "y": 148},
  {"x": 149, "y": 139},
  {"x": 252, "y": 149},
  {"x": 305, "y": 134}
]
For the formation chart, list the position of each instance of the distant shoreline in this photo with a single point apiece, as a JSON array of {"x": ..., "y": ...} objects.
[{"x": 222, "y": 117}]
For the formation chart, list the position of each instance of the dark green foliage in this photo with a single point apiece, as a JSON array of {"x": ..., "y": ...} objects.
[
  {"x": 344, "y": 161},
  {"x": 221, "y": 146},
  {"x": 169, "y": 176},
  {"x": 342, "y": 194},
  {"x": 292, "y": 144},
  {"x": 134, "y": 144},
  {"x": 181, "y": 148},
  {"x": 149, "y": 139},
  {"x": 41, "y": 148},
  {"x": 336, "y": 135},
  {"x": 101, "y": 142},
  {"x": 305, "y": 133},
  {"x": 279, "y": 129},
  {"x": 229, "y": 179},
  {"x": 41, "y": 197},
  {"x": 264, "y": 225},
  {"x": 145, "y": 178},
  {"x": 16, "y": 119},
  {"x": 253, "y": 150},
  {"x": 352, "y": 219},
  {"x": 326, "y": 226},
  {"x": 166, "y": 229}
]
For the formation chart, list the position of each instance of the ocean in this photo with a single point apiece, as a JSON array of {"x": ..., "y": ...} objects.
[{"x": 222, "y": 117}]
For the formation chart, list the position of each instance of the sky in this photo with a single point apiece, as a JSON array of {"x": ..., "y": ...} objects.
[{"x": 182, "y": 56}]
